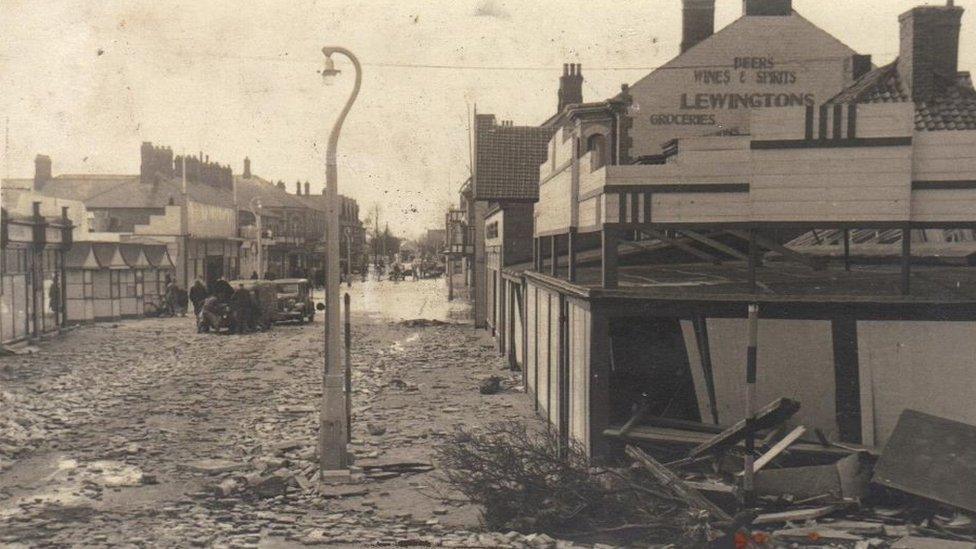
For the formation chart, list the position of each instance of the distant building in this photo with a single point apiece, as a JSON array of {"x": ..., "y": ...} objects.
[
  {"x": 502, "y": 189},
  {"x": 200, "y": 230}
]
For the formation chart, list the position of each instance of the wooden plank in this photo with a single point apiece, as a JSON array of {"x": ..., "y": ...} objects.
[
  {"x": 634, "y": 419},
  {"x": 799, "y": 515},
  {"x": 770, "y": 416},
  {"x": 712, "y": 243},
  {"x": 671, "y": 482},
  {"x": 778, "y": 448},
  {"x": 915, "y": 542},
  {"x": 770, "y": 244},
  {"x": 660, "y": 235}
]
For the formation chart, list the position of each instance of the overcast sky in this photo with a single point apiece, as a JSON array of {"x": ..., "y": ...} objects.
[{"x": 87, "y": 81}]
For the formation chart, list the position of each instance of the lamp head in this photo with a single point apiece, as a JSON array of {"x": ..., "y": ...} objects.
[{"x": 329, "y": 72}]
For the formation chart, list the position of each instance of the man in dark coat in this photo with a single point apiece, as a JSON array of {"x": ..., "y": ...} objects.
[
  {"x": 241, "y": 306},
  {"x": 198, "y": 293}
]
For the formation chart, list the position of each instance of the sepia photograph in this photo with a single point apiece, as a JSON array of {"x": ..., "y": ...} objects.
[{"x": 538, "y": 274}]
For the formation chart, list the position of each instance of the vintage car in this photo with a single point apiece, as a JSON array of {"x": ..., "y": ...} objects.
[
  {"x": 265, "y": 294},
  {"x": 294, "y": 300}
]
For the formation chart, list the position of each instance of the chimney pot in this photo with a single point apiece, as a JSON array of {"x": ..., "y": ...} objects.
[
  {"x": 698, "y": 22},
  {"x": 767, "y": 7},
  {"x": 570, "y": 86}
]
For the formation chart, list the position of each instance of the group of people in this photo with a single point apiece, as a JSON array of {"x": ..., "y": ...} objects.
[
  {"x": 215, "y": 304},
  {"x": 219, "y": 304}
]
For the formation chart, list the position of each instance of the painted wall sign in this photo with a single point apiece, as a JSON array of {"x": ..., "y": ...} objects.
[{"x": 754, "y": 63}]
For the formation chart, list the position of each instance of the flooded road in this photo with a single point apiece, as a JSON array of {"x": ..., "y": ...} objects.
[{"x": 145, "y": 433}]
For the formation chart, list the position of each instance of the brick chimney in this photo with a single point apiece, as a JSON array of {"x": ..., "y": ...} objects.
[
  {"x": 767, "y": 7},
  {"x": 570, "y": 85},
  {"x": 298, "y": 188},
  {"x": 42, "y": 170},
  {"x": 306, "y": 189},
  {"x": 247, "y": 168},
  {"x": 928, "y": 59},
  {"x": 147, "y": 166},
  {"x": 861, "y": 65},
  {"x": 698, "y": 22}
]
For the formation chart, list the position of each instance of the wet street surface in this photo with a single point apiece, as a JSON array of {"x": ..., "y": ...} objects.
[{"x": 145, "y": 433}]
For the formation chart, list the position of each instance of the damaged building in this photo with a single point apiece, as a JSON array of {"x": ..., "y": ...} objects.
[{"x": 823, "y": 189}]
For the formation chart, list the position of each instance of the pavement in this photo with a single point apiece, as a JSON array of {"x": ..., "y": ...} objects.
[{"x": 144, "y": 433}]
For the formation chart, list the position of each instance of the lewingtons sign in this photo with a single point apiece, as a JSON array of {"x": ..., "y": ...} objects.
[{"x": 758, "y": 72}]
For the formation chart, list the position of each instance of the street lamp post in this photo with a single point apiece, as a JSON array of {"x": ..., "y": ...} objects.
[
  {"x": 255, "y": 207},
  {"x": 332, "y": 417},
  {"x": 348, "y": 233}
]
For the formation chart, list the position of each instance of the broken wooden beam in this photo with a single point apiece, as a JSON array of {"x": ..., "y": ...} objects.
[
  {"x": 660, "y": 235},
  {"x": 639, "y": 415},
  {"x": 712, "y": 243},
  {"x": 772, "y": 245},
  {"x": 796, "y": 515},
  {"x": 767, "y": 418},
  {"x": 671, "y": 482},
  {"x": 778, "y": 448}
]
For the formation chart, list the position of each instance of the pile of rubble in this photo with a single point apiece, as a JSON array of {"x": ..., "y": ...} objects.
[
  {"x": 21, "y": 427},
  {"x": 919, "y": 493}
]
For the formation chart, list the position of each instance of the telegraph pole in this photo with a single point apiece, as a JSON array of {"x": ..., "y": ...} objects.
[{"x": 185, "y": 226}]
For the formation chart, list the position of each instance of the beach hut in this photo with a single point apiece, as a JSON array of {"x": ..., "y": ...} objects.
[
  {"x": 107, "y": 281},
  {"x": 155, "y": 279},
  {"x": 133, "y": 281},
  {"x": 80, "y": 266}
]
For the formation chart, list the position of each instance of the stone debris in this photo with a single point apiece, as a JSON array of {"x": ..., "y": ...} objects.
[
  {"x": 174, "y": 439},
  {"x": 490, "y": 386}
]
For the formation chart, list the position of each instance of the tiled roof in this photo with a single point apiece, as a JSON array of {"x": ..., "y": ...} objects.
[
  {"x": 269, "y": 194},
  {"x": 507, "y": 160},
  {"x": 127, "y": 191},
  {"x": 953, "y": 109}
]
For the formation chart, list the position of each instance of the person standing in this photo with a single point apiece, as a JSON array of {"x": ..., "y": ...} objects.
[
  {"x": 198, "y": 294},
  {"x": 240, "y": 306}
]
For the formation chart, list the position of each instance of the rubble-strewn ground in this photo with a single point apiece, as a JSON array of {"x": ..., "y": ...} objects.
[{"x": 145, "y": 432}]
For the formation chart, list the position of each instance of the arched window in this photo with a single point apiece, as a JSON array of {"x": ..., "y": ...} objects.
[{"x": 596, "y": 145}]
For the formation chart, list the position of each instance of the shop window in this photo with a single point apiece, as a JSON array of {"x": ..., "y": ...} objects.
[{"x": 596, "y": 145}]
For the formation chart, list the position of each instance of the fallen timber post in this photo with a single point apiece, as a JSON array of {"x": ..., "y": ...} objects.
[
  {"x": 768, "y": 417},
  {"x": 671, "y": 482}
]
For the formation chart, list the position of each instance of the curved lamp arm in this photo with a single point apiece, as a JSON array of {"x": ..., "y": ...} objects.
[{"x": 330, "y": 155}]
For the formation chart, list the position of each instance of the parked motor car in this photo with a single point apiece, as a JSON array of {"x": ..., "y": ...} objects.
[{"x": 294, "y": 300}]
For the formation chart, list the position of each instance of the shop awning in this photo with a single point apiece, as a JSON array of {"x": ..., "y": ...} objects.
[
  {"x": 158, "y": 257},
  {"x": 81, "y": 256},
  {"x": 134, "y": 256},
  {"x": 109, "y": 255}
]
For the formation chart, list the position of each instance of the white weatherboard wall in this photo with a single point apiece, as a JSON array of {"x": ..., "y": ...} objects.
[
  {"x": 795, "y": 360},
  {"x": 924, "y": 366},
  {"x": 579, "y": 375},
  {"x": 944, "y": 156},
  {"x": 531, "y": 353}
]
